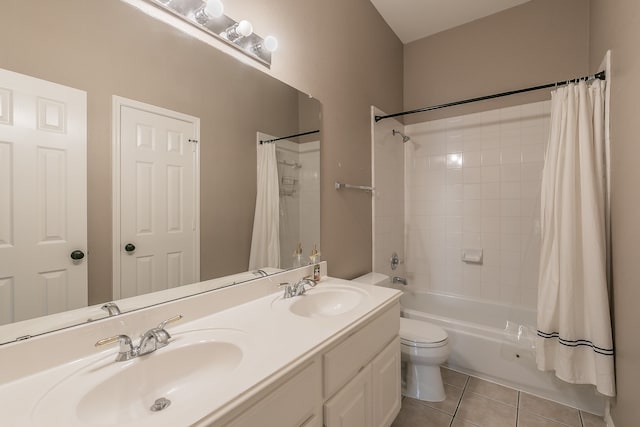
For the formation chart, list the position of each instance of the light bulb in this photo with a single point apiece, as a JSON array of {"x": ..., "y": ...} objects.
[
  {"x": 244, "y": 28},
  {"x": 214, "y": 8},
  {"x": 270, "y": 43}
]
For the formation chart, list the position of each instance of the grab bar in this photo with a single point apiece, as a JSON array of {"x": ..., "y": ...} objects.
[{"x": 340, "y": 185}]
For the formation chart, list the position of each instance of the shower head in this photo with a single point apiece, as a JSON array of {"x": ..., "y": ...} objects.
[{"x": 405, "y": 138}]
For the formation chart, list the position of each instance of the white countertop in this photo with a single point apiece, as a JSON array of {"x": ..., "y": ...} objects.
[{"x": 273, "y": 341}]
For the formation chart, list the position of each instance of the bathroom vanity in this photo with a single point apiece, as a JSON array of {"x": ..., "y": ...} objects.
[{"x": 241, "y": 356}]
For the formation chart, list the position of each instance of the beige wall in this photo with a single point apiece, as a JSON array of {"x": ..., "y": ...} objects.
[
  {"x": 615, "y": 25},
  {"x": 539, "y": 42}
]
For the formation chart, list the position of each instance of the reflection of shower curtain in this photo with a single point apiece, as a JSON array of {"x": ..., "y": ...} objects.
[
  {"x": 574, "y": 326},
  {"x": 265, "y": 241}
]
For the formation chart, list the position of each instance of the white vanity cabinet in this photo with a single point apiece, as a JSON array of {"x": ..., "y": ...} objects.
[
  {"x": 297, "y": 402},
  {"x": 352, "y": 383},
  {"x": 362, "y": 375}
]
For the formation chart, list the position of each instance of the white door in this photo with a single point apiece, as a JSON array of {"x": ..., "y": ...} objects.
[
  {"x": 158, "y": 234},
  {"x": 43, "y": 197}
]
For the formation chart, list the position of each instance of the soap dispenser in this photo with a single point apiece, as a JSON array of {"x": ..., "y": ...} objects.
[
  {"x": 315, "y": 255},
  {"x": 297, "y": 256}
]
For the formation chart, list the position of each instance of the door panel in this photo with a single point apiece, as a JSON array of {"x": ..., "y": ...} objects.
[
  {"x": 158, "y": 200},
  {"x": 43, "y": 207}
]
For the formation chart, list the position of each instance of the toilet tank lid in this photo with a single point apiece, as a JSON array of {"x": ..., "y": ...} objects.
[
  {"x": 421, "y": 332},
  {"x": 372, "y": 278}
]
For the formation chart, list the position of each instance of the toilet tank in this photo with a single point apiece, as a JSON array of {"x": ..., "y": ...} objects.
[{"x": 373, "y": 279}]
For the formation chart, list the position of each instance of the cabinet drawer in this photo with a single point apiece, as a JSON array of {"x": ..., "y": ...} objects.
[
  {"x": 345, "y": 360},
  {"x": 296, "y": 402}
]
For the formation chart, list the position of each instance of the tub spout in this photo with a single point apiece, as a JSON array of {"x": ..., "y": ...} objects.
[{"x": 398, "y": 279}]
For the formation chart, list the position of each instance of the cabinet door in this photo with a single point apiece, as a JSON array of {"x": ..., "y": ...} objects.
[
  {"x": 386, "y": 384},
  {"x": 298, "y": 402},
  {"x": 351, "y": 406}
]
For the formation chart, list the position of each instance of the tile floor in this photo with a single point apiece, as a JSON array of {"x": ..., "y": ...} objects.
[{"x": 472, "y": 402}]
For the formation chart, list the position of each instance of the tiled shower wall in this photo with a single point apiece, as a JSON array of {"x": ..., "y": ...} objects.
[
  {"x": 474, "y": 182},
  {"x": 299, "y": 198}
]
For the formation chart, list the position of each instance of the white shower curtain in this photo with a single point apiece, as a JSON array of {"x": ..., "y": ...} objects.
[
  {"x": 574, "y": 326},
  {"x": 265, "y": 241}
]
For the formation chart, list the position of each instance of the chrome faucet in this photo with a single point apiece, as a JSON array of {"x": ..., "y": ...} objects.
[
  {"x": 297, "y": 288},
  {"x": 150, "y": 341},
  {"x": 111, "y": 308},
  {"x": 398, "y": 279}
]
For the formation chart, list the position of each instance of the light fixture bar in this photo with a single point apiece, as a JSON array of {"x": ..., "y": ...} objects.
[{"x": 202, "y": 15}]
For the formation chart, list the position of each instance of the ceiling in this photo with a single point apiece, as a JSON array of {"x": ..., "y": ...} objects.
[{"x": 414, "y": 19}]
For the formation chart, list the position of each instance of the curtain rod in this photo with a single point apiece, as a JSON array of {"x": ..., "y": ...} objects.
[
  {"x": 600, "y": 76},
  {"x": 267, "y": 141}
]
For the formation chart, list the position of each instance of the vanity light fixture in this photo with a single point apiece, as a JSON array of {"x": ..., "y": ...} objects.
[
  {"x": 270, "y": 44},
  {"x": 211, "y": 9},
  {"x": 237, "y": 31},
  {"x": 208, "y": 16}
]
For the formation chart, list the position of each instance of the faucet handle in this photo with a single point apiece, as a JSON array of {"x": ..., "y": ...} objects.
[
  {"x": 123, "y": 339},
  {"x": 288, "y": 289},
  {"x": 170, "y": 320},
  {"x": 126, "y": 346}
]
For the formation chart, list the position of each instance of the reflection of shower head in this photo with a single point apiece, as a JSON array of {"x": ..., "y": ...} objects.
[{"x": 405, "y": 138}]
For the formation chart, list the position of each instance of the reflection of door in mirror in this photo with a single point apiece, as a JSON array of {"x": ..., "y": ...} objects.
[
  {"x": 43, "y": 208},
  {"x": 158, "y": 234},
  {"x": 299, "y": 181}
]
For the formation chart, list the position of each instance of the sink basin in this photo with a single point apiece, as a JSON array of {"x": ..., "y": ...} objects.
[
  {"x": 110, "y": 393},
  {"x": 325, "y": 301}
]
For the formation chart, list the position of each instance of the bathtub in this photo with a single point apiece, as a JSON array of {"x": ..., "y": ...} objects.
[{"x": 484, "y": 345}]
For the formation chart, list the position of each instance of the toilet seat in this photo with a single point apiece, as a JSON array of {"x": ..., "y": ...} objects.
[{"x": 416, "y": 333}]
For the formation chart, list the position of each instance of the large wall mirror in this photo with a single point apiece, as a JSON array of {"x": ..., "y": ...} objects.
[{"x": 108, "y": 49}]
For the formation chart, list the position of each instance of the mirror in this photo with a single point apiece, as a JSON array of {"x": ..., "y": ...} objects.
[{"x": 112, "y": 48}]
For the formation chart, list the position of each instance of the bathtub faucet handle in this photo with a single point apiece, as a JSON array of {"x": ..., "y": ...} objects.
[{"x": 394, "y": 260}]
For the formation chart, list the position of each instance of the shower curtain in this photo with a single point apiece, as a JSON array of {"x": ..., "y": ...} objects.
[
  {"x": 574, "y": 327},
  {"x": 265, "y": 240}
]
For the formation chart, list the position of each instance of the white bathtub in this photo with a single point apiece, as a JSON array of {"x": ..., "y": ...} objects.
[{"x": 482, "y": 346}]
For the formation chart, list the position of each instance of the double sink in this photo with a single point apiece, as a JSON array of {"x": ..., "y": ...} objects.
[{"x": 163, "y": 387}]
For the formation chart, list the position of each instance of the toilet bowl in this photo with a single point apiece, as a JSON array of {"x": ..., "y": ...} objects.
[{"x": 424, "y": 347}]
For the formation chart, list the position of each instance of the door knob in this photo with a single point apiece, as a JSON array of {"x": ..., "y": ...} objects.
[
  {"x": 77, "y": 255},
  {"x": 129, "y": 247}
]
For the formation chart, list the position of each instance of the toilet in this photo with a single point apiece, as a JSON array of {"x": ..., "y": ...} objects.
[{"x": 424, "y": 347}]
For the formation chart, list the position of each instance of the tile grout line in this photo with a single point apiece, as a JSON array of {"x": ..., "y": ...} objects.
[
  {"x": 518, "y": 408},
  {"x": 581, "y": 419},
  {"x": 466, "y": 382}
]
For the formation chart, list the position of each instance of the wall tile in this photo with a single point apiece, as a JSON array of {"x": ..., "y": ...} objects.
[
  {"x": 479, "y": 177},
  {"x": 490, "y": 157},
  {"x": 472, "y": 175},
  {"x": 472, "y": 158},
  {"x": 491, "y": 173},
  {"x": 510, "y": 173},
  {"x": 510, "y": 155}
]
